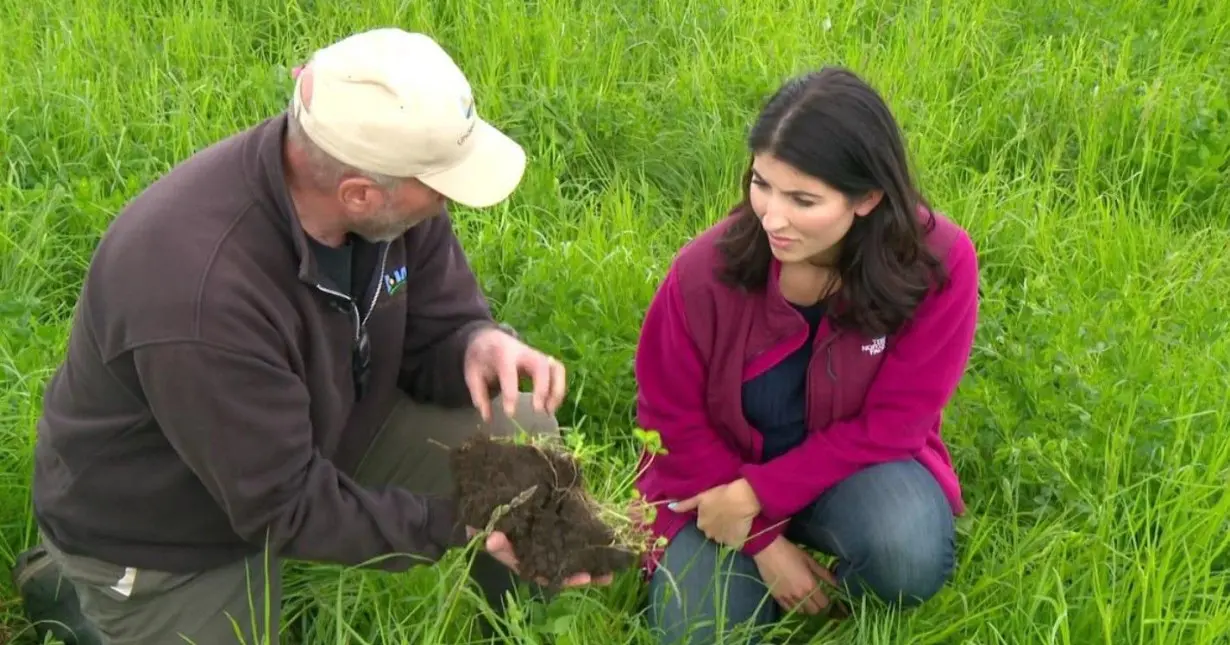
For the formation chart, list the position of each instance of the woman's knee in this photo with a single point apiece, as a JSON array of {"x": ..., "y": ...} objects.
[
  {"x": 905, "y": 568},
  {"x": 892, "y": 529}
]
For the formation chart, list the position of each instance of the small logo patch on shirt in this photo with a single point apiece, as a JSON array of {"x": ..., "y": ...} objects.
[
  {"x": 395, "y": 280},
  {"x": 875, "y": 347}
]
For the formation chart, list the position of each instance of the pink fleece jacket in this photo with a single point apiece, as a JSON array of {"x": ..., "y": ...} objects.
[{"x": 870, "y": 400}]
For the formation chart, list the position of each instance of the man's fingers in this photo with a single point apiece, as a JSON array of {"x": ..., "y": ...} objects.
[
  {"x": 542, "y": 383},
  {"x": 581, "y": 579},
  {"x": 498, "y": 545},
  {"x": 499, "y": 548},
  {"x": 559, "y": 385},
  {"x": 476, "y": 382},
  {"x": 509, "y": 390},
  {"x": 577, "y": 580}
]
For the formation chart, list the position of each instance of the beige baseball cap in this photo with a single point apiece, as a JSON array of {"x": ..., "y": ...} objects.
[{"x": 394, "y": 102}]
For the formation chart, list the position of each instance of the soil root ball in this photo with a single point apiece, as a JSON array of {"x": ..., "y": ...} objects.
[{"x": 550, "y": 520}]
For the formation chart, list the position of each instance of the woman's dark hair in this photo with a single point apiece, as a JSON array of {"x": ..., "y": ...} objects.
[{"x": 831, "y": 125}]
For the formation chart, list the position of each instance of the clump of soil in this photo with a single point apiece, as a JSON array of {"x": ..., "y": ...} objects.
[{"x": 552, "y": 524}]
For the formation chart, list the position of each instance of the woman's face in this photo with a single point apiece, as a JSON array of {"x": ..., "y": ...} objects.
[{"x": 804, "y": 217}]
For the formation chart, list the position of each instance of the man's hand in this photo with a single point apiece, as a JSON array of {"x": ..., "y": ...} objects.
[
  {"x": 496, "y": 357},
  {"x": 723, "y": 513},
  {"x": 792, "y": 577},
  {"x": 500, "y": 549}
]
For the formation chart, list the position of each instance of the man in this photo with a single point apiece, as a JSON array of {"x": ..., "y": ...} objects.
[{"x": 271, "y": 342}]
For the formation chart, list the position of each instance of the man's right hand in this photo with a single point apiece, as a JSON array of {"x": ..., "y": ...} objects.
[{"x": 792, "y": 576}]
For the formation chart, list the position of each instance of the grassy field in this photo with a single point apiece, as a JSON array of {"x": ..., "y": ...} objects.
[{"x": 1084, "y": 145}]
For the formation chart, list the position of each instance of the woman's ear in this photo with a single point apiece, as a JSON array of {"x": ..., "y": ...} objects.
[{"x": 868, "y": 203}]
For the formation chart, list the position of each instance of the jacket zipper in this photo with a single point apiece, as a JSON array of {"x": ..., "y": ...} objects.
[
  {"x": 384, "y": 256},
  {"x": 361, "y": 320},
  {"x": 354, "y": 307},
  {"x": 828, "y": 368}
]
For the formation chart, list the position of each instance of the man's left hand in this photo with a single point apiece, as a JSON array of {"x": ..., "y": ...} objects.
[
  {"x": 723, "y": 513},
  {"x": 496, "y": 357},
  {"x": 498, "y": 546}
]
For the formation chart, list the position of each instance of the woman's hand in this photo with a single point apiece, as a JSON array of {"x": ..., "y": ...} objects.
[
  {"x": 723, "y": 513},
  {"x": 793, "y": 576}
]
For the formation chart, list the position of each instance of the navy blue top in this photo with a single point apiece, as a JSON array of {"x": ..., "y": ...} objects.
[{"x": 775, "y": 403}]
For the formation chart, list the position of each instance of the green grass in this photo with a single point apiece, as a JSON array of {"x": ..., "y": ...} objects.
[{"x": 1084, "y": 146}]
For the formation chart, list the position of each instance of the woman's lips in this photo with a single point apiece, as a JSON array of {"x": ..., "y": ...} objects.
[{"x": 779, "y": 242}]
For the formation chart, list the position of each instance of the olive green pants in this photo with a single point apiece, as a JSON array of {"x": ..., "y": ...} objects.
[{"x": 240, "y": 603}]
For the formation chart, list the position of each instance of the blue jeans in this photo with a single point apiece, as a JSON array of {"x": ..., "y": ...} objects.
[{"x": 889, "y": 525}]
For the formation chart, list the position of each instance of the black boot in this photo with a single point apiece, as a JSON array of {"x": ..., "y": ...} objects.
[{"x": 51, "y": 603}]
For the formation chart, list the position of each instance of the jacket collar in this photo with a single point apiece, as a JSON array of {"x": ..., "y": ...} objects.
[
  {"x": 267, "y": 170},
  {"x": 776, "y": 321},
  {"x": 781, "y": 317}
]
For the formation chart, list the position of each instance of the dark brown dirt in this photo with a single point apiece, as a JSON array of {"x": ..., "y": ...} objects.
[{"x": 555, "y": 532}]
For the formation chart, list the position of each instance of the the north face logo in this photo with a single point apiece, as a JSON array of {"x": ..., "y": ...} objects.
[{"x": 875, "y": 347}]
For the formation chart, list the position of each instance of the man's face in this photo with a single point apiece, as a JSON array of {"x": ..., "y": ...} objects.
[{"x": 382, "y": 215}]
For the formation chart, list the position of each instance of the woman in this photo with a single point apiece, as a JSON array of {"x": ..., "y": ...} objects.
[{"x": 795, "y": 363}]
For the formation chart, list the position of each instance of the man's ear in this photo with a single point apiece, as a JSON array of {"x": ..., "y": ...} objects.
[
  {"x": 360, "y": 195},
  {"x": 303, "y": 82}
]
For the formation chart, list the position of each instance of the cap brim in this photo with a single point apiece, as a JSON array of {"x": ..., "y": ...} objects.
[{"x": 488, "y": 175}]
